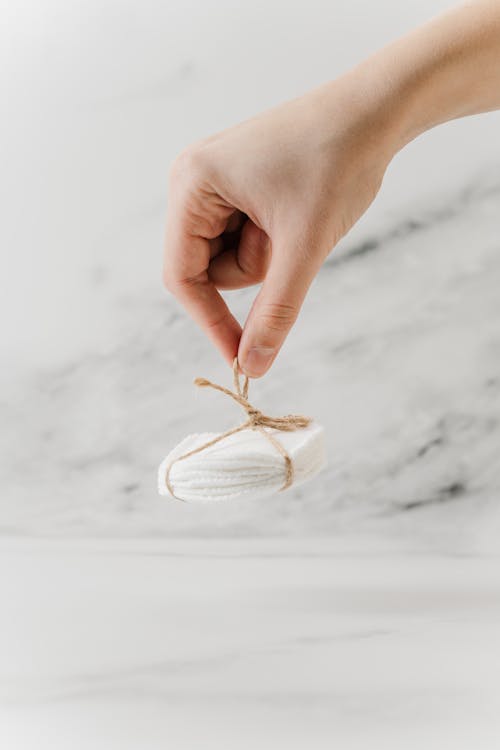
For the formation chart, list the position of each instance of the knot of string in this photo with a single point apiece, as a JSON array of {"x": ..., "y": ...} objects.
[
  {"x": 255, "y": 417},
  {"x": 256, "y": 420}
]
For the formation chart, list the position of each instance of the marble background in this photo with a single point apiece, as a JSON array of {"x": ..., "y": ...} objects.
[{"x": 355, "y": 609}]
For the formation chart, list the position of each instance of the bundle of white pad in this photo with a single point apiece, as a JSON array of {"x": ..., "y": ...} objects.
[{"x": 245, "y": 464}]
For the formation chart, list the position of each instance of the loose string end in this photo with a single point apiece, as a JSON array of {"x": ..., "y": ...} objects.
[{"x": 201, "y": 382}]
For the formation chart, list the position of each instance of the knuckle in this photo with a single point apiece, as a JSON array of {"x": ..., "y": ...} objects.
[
  {"x": 189, "y": 165},
  {"x": 260, "y": 269},
  {"x": 279, "y": 317},
  {"x": 216, "y": 322},
  {"x": 253, "y": 267},
  {"x": 254, "y": 261},
  {"x": 258, "y": 274},
  {"x": 179, "y": 284}
]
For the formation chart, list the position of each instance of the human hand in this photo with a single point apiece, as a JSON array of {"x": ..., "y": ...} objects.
[{"x": 266, "y": 201}]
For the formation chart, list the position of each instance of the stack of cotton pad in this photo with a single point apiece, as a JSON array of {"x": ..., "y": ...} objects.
[{"x": 242, "y": 465}]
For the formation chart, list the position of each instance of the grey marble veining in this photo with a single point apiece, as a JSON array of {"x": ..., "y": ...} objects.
[
  {"x": 397, "y": 353},
  {"x": 397, "y": 347}
]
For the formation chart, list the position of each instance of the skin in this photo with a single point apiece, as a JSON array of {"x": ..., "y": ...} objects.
[{"x": 267, "y": 200}]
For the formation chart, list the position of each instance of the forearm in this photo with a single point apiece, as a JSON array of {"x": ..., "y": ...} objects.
[{"x": 446, "y": 69}]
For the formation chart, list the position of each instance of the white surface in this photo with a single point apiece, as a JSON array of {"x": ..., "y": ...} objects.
[{"x": 143, "y": 646}]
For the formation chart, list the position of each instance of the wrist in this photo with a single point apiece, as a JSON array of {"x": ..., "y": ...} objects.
[
  {"x": 446, "y": 69},
  {"x": 360, "y": 112}
]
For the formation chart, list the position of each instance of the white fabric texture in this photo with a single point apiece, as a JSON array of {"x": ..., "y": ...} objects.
[{"x": 243, "y": 465}]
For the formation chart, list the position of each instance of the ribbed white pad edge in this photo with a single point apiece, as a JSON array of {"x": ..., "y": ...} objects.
[{"x": 245, "y": 464}]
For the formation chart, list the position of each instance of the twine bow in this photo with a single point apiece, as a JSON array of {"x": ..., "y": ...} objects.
[{"x": 256, "y": 421}]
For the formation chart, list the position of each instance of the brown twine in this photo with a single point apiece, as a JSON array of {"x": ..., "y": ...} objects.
[{"x": 256, "y": 421}]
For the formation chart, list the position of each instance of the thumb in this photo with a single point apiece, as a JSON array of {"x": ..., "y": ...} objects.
[{"x": 275, "y": 308}]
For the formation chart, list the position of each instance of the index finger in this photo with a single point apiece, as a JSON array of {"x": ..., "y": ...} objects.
[{"x": 187, "y": 257}]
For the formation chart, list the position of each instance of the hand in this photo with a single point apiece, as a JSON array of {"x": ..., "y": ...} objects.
[{"x": 266, "y": 201}]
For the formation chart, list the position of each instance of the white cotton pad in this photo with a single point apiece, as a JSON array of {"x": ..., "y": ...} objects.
[{"x": 244, "y": 465}]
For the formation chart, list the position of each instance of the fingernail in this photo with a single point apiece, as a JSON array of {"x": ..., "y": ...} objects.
[{"x": 257, "y": 360}]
